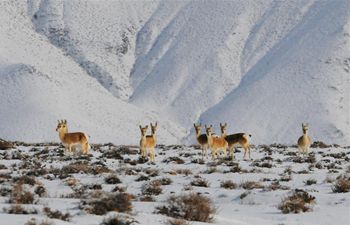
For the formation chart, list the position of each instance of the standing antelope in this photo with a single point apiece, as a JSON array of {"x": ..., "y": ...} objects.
[
  {"x": 215, "y": 143},
  {"x": 70, "y": 140},
  {"x": 233, "y": 140},
  {"x": 304, "y": 142},
  {"x": 148, "y": 142},
  {"x": 202, "y": 139}
]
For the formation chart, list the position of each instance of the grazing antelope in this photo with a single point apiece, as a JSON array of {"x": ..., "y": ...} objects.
[
  {"x": 233, "y": 140},
  {"x": 202, "y": 139},
  {"x": 215, "y": 143},
  {"x": 70, "y": 140},
  {"x": 148, "y": 142},
  {"x": 304, "y": 142}
]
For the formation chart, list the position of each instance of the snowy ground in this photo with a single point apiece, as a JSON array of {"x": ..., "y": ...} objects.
[{"x": 278, "y": 170}]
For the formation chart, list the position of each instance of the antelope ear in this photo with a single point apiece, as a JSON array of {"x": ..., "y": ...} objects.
[
  {"x": 220, "y": 125},
  {"x": 156, "y": 124},
  {"x": 146, "y": 126},
  {"x": 140, "y": 127},
  {"x": 211, "y": 125},
  {"x": 225, "y": 124},
  {"x": 65, "y": 121},
  {"x": 194, "y": 125}
]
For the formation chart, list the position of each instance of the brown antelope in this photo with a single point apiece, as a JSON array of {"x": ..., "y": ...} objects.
[
  {"x": 233, "y": 140},
  {"x": 215, "y": 143},
  {"x": 70, "y": 140},
  {"x": 202, "y": 139},
  {"x": 304, "y": 142},
  {"x": 148, "y": 142}
]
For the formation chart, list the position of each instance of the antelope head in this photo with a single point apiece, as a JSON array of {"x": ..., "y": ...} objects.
[
  {"x": 154, "y": 127},
  {"x": 62, "y": 125}
]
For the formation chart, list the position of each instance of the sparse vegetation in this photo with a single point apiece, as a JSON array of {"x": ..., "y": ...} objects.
[
  {"x": 192, "y": 207},
  {"x": 249, "y": 185},
  {"x": 56, "y": 214},
  {"x": 200, "y": 182},
  {"x": 299, "y": 201},
  {"x": 119, "y": 220},
  {"x": 342, "y": 184},
  {"x": 119, "y": 202},
  {"x": 228, "y": 184},
  {"x": 152, "y": 188}
]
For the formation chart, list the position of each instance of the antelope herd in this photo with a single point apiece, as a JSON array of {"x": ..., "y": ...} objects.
[{"x": 208, "y": 140}]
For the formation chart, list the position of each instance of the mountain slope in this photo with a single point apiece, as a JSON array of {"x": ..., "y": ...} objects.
[
  {"x": 303, "y": 77},
  {"x": 39, "y": 84}
]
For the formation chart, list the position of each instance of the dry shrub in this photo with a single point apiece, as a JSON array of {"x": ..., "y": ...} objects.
[
  {"x": 56, "y": 214},
  {"x": 119, "y": 220},
  {"x": 200, "y": 182},
  {"x": 33, "y": 221},
  {"x": 249, "y": 185},
  {"x": 228, "y": 184},
  {"x": 21, "y": 196},
  {"x": 40, "y": 190},
  {"x": 320, "y": 144},
  {"x": 192, "y": 207},
  {"x": 142, "y": 178},
  {"x": 298, "y": 202},
  {"x": 342, "y": 184},
  {"x": 119, "y": 202},
  {"x": 147, "y": 198},
  {"x": 178, "y": 222},
  {"x": 25, "y": 180},
  {"x": 18, "y": 209},
  {"x": 112, "y": 179},
  {"x": 152, "y": 188},
  {"x": 174, "y": 159},
  {"x": 164, "y": 181},
  {"x": 185, "y": 172},
  {"x": 310, "y": 182},
  {"x": 152, "y": 172}
]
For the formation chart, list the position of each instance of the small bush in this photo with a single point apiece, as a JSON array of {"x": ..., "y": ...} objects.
[
  {"x": 25, "y": 180},
  {"x": 174, "y": 159},
  {"x": 298, "y": 202},
  {"x": 20, "y": 196},
  {"x": 164, "y": 181},
  {"x": 185, "y": 172},
  {"x": 191, "y": 207},
  {"x": 18, "y": 209},
  {"x": 118, "y": 220},
  {"x": 40, "y": 190},
  {"x": 152, "y": 188},
  {"x": 142, "y": 178},
  {"x": 249, "y": 185},
  {"x": 228, "y": 184},
  {"x": 342, "y": 185},
  {"x": 56, "y": 214},
  {"x": 310, "y": 182},
  {"x": 200, "y": 182},
  {"x": 112, "y": 179},
  {"x": 119, "y": 202},
  {"x": 178, "y": 222}
]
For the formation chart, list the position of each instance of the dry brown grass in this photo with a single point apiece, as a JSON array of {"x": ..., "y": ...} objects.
[
  {"x": 228, "y": 184},
  {"x": 342, "y": 184},
  {"x": 192, "y": 207},
  {"x": 299, "y": 201}
]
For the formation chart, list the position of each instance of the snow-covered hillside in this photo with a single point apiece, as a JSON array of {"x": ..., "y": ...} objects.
[{"x": 262, "y": 66}]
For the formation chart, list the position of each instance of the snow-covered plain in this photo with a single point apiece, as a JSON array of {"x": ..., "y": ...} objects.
[
  {"x": 263, "y": 66},
  {"x": 278, "y": 170}
]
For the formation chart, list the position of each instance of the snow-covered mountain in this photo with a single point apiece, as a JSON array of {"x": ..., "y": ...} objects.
[{"x": 262, "y": 66}]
